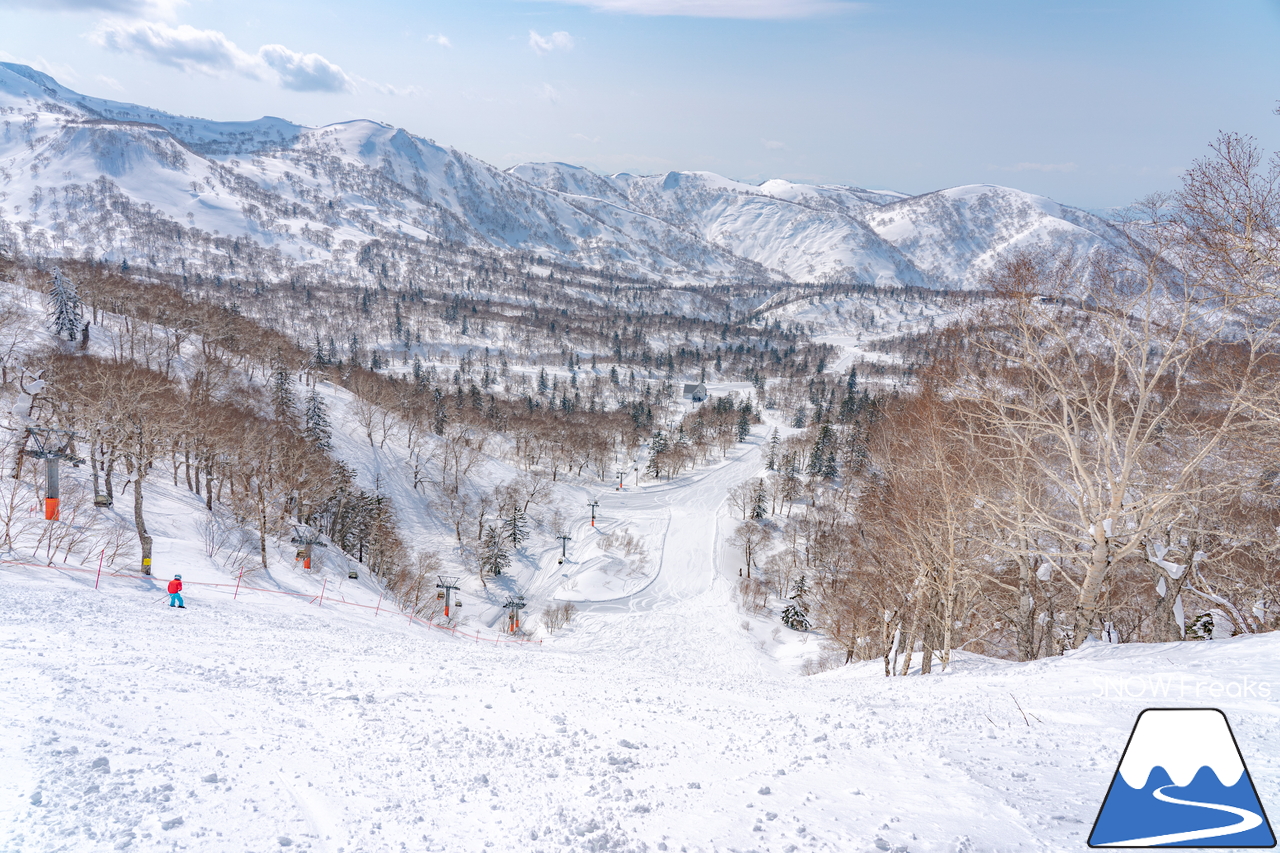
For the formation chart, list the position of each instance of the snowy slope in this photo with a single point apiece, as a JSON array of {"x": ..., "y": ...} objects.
[
  {"x": 956, "y": 235},
  {"x": 661, "y": 718},
  {"x": 248, "y": 725},
  {"x": 301, "y": 190},
  {"x": 318, "y": 194},
  {"x": 802, "y": 232}
]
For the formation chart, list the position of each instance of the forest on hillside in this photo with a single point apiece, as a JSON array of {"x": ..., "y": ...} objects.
[
  {"x": 1089, "y": 447},
  {"x": 1071, "y": 463}
]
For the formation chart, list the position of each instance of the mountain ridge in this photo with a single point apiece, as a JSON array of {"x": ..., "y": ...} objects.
[{"x": 318, "y": 196}]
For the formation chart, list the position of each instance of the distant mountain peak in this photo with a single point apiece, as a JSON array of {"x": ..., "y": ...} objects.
[{"x": 303, "y": 192}]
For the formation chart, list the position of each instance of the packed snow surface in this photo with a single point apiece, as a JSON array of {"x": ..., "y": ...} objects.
[{"x": 661, "y": 718}]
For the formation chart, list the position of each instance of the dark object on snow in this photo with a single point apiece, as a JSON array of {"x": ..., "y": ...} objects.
[
  {"x": 352, "y": 574},
  {"x": 795, "y": 618},
  {"x": 101, "y": 501},
  {"x": 1201, "y": 627}
]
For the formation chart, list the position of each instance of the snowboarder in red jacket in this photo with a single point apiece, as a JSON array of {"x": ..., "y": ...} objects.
[{"x": 175, "y": 592}]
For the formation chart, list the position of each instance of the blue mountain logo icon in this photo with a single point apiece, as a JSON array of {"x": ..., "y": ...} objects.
[{"x": 1182, "y": 782}]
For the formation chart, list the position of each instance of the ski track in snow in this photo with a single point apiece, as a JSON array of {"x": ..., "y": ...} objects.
[{"x": 659, "y": 719}]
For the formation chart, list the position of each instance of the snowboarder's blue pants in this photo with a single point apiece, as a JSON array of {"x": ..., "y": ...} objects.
[{"x": 176, "y": 598}]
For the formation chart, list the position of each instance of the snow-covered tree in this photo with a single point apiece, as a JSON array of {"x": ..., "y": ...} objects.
[
  {"x": 283, "y": 399},
  {"x": 796, "y": 614},
  {"x": 493, "y": 552},
  {"x": 65, "y": 307},
  {"x": 316, "y": 426},
  {"x": 515, "y": 525},
  {"x": 759, "y": 500},
  {"x": 657, "y": 447}
]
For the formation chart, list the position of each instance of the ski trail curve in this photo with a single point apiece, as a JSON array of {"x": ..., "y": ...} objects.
[{"x": 1248, "y": 821}]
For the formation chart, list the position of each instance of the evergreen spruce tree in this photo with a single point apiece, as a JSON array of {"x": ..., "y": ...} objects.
[
  {"x": 771, "y": 458},
  {"x": 796, "y": 614},
  {"x": 318, "y": 356},
  {"x": 515, "y": 525},
  {"x": 821, "y": 447},
  {"x": 759, "y": 501},
  {"x": 65, "y": 311},
  {"x": 795, "y": 618},
  {"x": 657, "y": 448},
  {"x": 493, "y": 552},
  {"x": 744, "y": 425},
  {"x": 851, "y": 403},
  {"x": 282, "y": 396},
  {"x": 316, "y": 426},
  {"x": 830, "y": 470},
  {"x": 801, "y": 417}
]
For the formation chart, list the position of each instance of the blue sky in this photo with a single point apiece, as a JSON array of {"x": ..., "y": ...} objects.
[{"x": 1092, "y": 103}]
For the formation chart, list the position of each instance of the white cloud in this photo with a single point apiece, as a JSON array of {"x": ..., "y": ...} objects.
[
  {"x": 756, "y": 9},
  {"x": 549, "y": 93},
  {"x": 440, "y": 39},
  {"x": 305, "y": 72},
  {"x": 212, "y": 53},
  {"x": 584, "y": 137},
  {"x": 773, "y": 144},
  {"x": 146, "y": 8},
  {"x": 556, "y": 41},
  {"x": 194, "y": 51}
]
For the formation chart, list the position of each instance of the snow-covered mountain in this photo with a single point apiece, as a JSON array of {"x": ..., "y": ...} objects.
[{"x": 82, "y": 175}]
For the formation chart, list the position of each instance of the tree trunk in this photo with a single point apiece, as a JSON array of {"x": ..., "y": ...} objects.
[
  {"x": 144, "y": 538},
  {"x": 1026, "y": 624},
  {"x": 928, "y": 639},
  {"x": 93, "y": 467},
  {"x": 1165, "y": 628},
  {"x": 909, "y": 639},
  {"x": 1090, "y": 590},
  {"x": 20, "y": 456},
  {"x": 262, "y": 525},
  {"x": 106, "y": 477}
]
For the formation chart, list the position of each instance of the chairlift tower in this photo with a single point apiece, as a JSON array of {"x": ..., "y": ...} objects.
[
  {"x": 565, "y": 539},
  {"x": 593, "y": 505},
  {"x": 306, "y": 539},
  {"x": 513, "y": 606},
  {"x": 447, "y": 586},
  {"x": 52, "y": 445}
]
